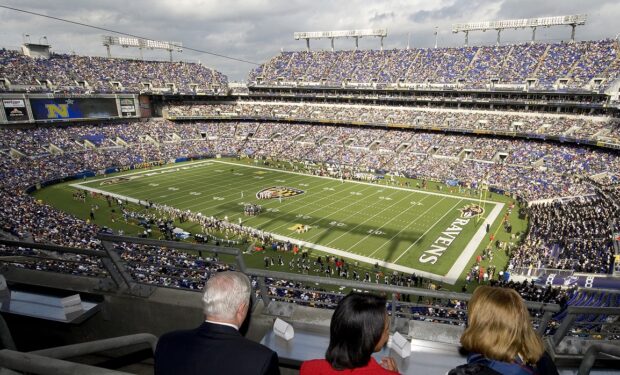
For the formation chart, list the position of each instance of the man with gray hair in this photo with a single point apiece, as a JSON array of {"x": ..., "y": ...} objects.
[{"x": 217, "y": 347}]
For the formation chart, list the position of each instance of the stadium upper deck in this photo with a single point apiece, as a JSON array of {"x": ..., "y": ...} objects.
[
  {"x": 105, "y": 75},
  {"x": 588, "y": 65}
]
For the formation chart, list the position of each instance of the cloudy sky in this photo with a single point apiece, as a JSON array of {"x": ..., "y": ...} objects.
[{"x": 256, "y": 30}]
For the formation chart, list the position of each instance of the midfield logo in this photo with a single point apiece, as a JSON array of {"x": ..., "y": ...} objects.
[
  {"x": 276, "y": 192},
  {"x": 471, "y": 210}
]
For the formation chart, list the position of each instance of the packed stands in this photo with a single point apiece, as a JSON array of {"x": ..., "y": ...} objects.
[
  {"x": 72, "y": 73},
  {"x": 588, "y": 65},
  {"x": 575, "y": 235},
  {"x": 537, "y": 125}
]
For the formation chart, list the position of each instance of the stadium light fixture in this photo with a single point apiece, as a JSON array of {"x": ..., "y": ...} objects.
[
  {"x": 533, "y": 23},
  {"x": 356, "y": 34},
  {"x": 140, "y": 43}
]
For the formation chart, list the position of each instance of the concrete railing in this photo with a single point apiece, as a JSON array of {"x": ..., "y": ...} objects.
[
  {"x": 52, "y": 361},
  {"x": 542, "y": 312},
  {"x": 594, "y": 351}
]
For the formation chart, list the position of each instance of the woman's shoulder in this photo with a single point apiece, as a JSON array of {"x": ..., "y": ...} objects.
[
  {"x": 313, "y": 366},
  {"x": 322, "y": 367}
]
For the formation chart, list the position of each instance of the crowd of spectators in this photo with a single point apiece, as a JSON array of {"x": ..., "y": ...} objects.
[
  {"x": 53, "y": 262},
  {"x": 570, "y": 234},
  {"x": 534, "y": 125},
  {"x": 574, "y": 234},
  {"x": 72, "y": 73},
  {"x": 168, "y": 267},
  {"x": 546, "y": 65},
  {"x": 449, "y": 311}
]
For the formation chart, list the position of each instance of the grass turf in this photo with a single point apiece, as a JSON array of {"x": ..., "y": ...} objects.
[{"x": 375, "y": 221}]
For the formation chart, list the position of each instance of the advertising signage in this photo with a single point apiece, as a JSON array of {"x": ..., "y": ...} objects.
[{"x": 15, "y": 110}]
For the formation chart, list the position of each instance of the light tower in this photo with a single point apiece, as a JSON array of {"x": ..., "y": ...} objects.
[
  {"x": 356, "y": 34},
  {"x": 141, "y": 44},
  {"x": 533, "y": 23}
]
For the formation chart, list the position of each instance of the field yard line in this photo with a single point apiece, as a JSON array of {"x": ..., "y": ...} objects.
[
  {"x": 194, "y": 178},
  {"x": 428, "y": 230},
  {"x": 222, "y": 186},
  {"x": 166, "y": 179},
  {"x": 405, "y": 227},
  {"x": 342, "y": 209},
  {"x": 363, "y": 183},
  {"x": 450, "y": 278},
  {"x": 372, "y": 217},
  {"x": 470, "y": 249},
  {"x": 126, "y": 197},
  {"x": 320, "y": 208},
  {"x": 204, "y": 161},
  {"x": 286, "y": 201},
  {"x": 177, "y": 196},
  {"x": 134, "y": 200},
  {"x": 125, "y": 189},
  {"x": 328, "y": 215}
]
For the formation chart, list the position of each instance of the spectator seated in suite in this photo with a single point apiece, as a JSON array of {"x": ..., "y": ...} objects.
[
  {"x": 499, "y": 337},
  {"x": 359, "y": 327},
  {"x": 217, "y": 347}
]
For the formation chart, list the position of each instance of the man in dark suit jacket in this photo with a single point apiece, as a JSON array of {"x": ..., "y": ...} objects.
[{"x": 217, "y": 347}]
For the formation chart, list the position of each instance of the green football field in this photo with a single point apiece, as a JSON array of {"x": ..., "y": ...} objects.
[{"x": 405, "y": 229}]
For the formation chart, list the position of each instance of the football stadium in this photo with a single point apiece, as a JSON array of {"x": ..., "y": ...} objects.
[{"x": 421, "y": 177}]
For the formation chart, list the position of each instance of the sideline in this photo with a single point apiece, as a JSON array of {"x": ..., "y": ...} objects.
[
  {"x": 470, "y": 249},
  {"x": 113, "y": 195}
]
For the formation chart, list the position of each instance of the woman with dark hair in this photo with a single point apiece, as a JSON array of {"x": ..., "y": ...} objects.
[
  {"x": 359, "y": 327},
  {"x": 500, "y": 338}
]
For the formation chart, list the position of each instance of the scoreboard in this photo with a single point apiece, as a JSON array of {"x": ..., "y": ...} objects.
[
  {"x": 29, "y": 108},
  {"x": 73, "y": 108}
]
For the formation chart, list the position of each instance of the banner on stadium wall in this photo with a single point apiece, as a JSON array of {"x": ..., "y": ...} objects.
[
  {"x": 73, "y": 108},
  {"x": 145, "y": 106},
  {"x": 15, "y": 110},
  {"x": 582, "y": 281}
]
